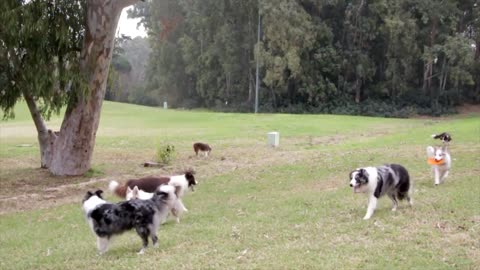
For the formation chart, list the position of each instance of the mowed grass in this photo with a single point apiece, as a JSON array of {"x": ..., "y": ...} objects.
[{"x": 256, "y": 207}]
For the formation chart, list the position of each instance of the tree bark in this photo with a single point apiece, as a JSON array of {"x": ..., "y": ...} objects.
[
  {"x": 357, "y": 90},
  {"x": 428, "y": 68},
  {"x": 250, "y": 87},
  {"x": 477, "y": 77},
  {"x": 46, "y": 137},
  {"x": 72, "y": 150}
]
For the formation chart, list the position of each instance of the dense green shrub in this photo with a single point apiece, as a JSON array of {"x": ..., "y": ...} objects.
[{"x": 165, "y": 153}]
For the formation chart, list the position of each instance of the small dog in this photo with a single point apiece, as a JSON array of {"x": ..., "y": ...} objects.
[
  {"x": 202, "y": 147},
  {"x": 390, "y": 179},
  {"x": 109, "y": 219},
  {"x": 444, "y": 137},
  {"x": 177, "y": 209},
  {"x": 136, "y": 193},
  {"x": 441, "y": 162}
]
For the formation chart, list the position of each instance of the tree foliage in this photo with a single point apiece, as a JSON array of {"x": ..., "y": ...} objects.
[
  {"x": 46, "y": 34},
  {"x": 56, "y": 53},
  {"x": 316, "y": 55}
]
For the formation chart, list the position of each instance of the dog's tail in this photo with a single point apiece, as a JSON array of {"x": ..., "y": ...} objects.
[{"x": 116, "y": 188}]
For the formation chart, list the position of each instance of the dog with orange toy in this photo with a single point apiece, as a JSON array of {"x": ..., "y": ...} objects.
[{"x": 439, "y": 158}]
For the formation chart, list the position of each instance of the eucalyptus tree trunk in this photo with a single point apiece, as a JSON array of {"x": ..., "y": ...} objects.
[
  {"x": 477, "y": 77},
  {"x": 46, "y": 137},
  {"x": 428, "y": 67},
  {"x": 69, "y": 151},
  {"x": 358, "y": 89}
]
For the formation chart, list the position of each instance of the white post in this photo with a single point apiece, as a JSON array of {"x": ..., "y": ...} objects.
[
  {"x": 273, "y": 138},
  {"x": 165, "y": 105}
]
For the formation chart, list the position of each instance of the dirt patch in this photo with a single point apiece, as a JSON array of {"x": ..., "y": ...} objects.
[
  {"x": 24, "y": 187},
  {"x": 32, "y": 188}
]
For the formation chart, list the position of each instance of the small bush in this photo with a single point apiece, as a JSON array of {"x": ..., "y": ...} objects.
[
  {"x": 165, "y": 153},
  {"x": 94, "y": 172}
]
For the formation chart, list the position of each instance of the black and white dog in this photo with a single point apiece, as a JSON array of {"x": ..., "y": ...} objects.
[
  {"x": 108, "y": 219},
  {"x": 444, "y": 137},
  {"x": 390, "y": 179}
]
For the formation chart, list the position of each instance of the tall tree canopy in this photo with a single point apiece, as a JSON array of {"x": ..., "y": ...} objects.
[
  {"x": 342, "y": 56},
  {"x": 56, "y": 53}
]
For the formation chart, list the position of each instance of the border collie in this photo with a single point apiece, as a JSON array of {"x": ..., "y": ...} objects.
[
  {"x": 177, "y": 209},
  {"x": 444, "y": 137},
  {"x": 202, "y": 147},
  {"x": 151, "y": 183},
  {"x": 441, "y": 162},
  {"x": 109, "y": 219},
  {"x": 390, "y": 179}
]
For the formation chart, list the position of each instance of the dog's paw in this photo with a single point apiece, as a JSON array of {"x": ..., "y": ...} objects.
[
  {"x": 141, "y": 252},
  {"x": 394, "y": 209},
  {"x": 366, "y": 218}
]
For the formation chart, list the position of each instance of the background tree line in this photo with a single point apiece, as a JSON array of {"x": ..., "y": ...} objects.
[{"x": 380, "y": 57}]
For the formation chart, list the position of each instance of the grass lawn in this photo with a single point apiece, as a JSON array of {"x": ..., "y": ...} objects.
[{"x": 256, "y": 207}]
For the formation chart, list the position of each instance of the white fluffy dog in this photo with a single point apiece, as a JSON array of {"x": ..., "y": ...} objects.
[{"x": 441, "y": 162}]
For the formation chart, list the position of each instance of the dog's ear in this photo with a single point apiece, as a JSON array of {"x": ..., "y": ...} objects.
[
  {"x": 430, "y": 151},
  {"x": 135, "y": 191},
  {"x": 161, "y": 193},
  {"x": 351, "y": 174},
  {"x": 129, "y": 190},
  {"x": 99, "y": 193},
  {"x": 363, "y": 173},
  {"x": 190, "y": 178},
  {"x": 190, "y": 171},
  {"x": 87, "y": 196}
]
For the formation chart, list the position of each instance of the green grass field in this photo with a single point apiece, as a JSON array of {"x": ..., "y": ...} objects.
[{"x": 256, "y": 207}]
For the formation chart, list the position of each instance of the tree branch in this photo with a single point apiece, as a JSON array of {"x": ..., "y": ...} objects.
[{"x": 36, "y": 116}]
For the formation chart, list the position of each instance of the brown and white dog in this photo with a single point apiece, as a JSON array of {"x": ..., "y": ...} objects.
[
  {"x": 150, "y": 184},
  {"x": 440, "y": 161},
  {"x": 202, "y": 147}
]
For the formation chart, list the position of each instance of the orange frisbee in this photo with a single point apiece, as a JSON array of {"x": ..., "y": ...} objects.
[{"x": 432, "y": 161}]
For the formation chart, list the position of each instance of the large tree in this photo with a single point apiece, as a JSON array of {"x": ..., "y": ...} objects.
[{"x": 56, "y": 53}]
